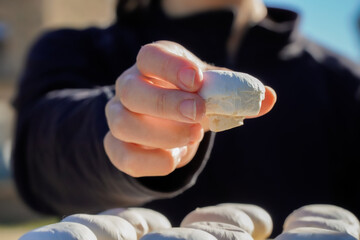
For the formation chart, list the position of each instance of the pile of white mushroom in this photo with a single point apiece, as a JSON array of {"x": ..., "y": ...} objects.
[
  {"x": 320, "y": 222},
  {"x": 226, "y": 221},
  {"x": 223, "y": 222},
  {"x": 113, "y": 224}
]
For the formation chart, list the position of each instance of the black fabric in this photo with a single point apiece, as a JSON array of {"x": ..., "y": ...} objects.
[{"x": 304, "y": 151}]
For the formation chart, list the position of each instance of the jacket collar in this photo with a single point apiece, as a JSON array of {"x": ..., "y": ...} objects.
[{"x": 206, "y": 34}]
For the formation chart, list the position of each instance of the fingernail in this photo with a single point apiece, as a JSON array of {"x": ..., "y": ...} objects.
[
  {"x": 178, "y": 153},
  {"x": 187, "y": 77},
  {"x": 188, "y": 108}
]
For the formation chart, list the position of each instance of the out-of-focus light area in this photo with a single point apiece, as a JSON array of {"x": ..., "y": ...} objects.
[
  {"x": 21, "y": 22},
  {"x": 331, "y": 23}
]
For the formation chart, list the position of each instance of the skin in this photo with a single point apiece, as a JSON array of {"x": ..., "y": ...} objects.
[{"x": 156, "y": 109}]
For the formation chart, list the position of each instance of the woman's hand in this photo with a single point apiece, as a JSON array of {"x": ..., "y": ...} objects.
[{"x": 156, "y": 119}]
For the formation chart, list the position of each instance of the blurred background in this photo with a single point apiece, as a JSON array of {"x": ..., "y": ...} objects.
[
  {"x": 21, "y": 22},
  {"x": 332, "y": 23}
]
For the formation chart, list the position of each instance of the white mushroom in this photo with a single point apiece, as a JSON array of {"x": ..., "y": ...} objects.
[
  {"x": 222, "y": 231},
  {"x": 105, "y": 227},
  {"x": 220, "y": 214},
  {"x": 230, "y": 96},
  {"x": 178, "y": 234},
  {"x": 133, "y": 217},
  {"x": 155, "y": 220},
  {"x": 308, "y": 233},
  {"x": 324, "y": 211},
  {"x": 263, "y": 224},
  {"x": 62, "y": 230},
  {"x": 324, "y": 223}
]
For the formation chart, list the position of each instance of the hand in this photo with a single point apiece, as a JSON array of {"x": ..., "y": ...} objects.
[{"x": 156, "y": 119}]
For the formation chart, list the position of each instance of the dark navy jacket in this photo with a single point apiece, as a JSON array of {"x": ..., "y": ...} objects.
[{"x": 304, "y": 151}]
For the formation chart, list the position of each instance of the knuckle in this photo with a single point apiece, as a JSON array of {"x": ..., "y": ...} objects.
[
  {"x": 108, "y": 108},
  {"x": 118, "y": 120},
  {"x": 155, "y": 52},
  {"x": 147, "y": 50},
  {"x": 122, "y": 78},
  {"x": 124, "y": 88},
  {"x": 106, "y": 143},
  {"x": 118, "y": 157},
  {"x": 124, "y": 83},
  {"x": 124, "y": 159},
  {"x": 118, "y": 125},
  {"x": 118, "y": 83}
]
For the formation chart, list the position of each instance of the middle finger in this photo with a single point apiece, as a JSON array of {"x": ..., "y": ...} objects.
[{"x": 149, "y": 131}]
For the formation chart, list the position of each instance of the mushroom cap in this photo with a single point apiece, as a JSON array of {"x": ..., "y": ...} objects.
[
  {"x": 220, "y": 214},
  {"x": 155, "y": 220},
  {"x": 133, "y": 217},
  {"x": 178, "y": 234},
  {"x": 222, "y": 231},
  {"x": 263, "y": 224},
  {"x": 105, "y": 227},
  {"x": 309, "y": 233},
  {"x": 61, "y": 230},
  {"x": 324, "y": 223},
  {"x": 324, "y": 211}
]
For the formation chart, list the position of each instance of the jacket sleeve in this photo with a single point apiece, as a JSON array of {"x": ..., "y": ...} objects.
[{"x": 59, "y": 162}]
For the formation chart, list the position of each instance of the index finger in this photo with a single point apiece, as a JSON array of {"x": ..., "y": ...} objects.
[{"x": 171, "y": 62}]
